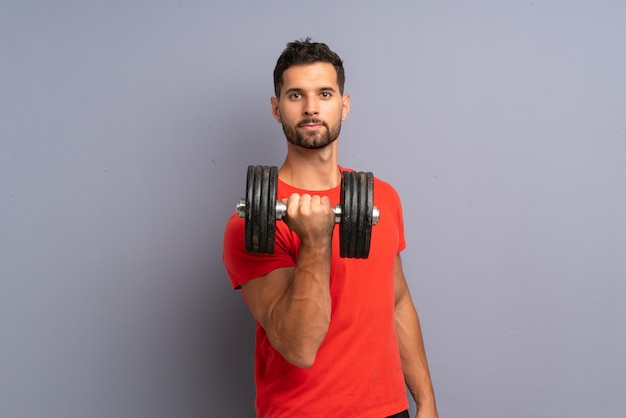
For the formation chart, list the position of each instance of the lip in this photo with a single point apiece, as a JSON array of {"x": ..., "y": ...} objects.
[{"x": 311, "y": 126}]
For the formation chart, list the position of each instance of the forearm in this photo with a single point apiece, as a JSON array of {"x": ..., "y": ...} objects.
[
  {"x": 413, "y": 357},
  {"x": 301, "y": 317}
]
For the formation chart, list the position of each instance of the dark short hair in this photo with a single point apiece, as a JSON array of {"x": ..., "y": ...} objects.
[{"x": 303, "y": 52}]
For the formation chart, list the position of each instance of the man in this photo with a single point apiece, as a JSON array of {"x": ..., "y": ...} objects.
[{"x": 336, "y": 337}]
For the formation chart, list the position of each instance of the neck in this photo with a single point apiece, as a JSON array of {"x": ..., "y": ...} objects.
[{"x": 311, "y": 169}]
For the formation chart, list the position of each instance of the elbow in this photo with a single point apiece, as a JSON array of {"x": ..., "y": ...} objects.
[
  {"x": 303, "y": 359},
  {"x": 300, "y": 345},
  {"x": 302, "y": 353}
]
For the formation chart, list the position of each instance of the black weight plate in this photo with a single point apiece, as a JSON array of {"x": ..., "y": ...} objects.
[
  {"x": 260, "y": 213},
  {"x": 344, "y": 225},
  {"x": 369, "y": 211},
  {"x": 271, "y": 219},
  {"x": 255, "y": 210},
  {"x": 354, "y": 216},
  {"x": 348, "y": 232},
  {"x": 248, "y": 212},
  {"x": 263, "y": 209},
  {"x": 357, "y": 214},
  {"x": 361, "y": 192},
  {"x": 366, "y": 214}
]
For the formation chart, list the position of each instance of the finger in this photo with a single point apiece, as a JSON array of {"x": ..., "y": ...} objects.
[
  {"x": 293, "y": 200},
  {"x": 305, "y": 204},
  {"x": 315, "y": 200},
  {"x": 305, "y": 200}
]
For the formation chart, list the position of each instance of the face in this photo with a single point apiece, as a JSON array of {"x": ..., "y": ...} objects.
[{"x": 311, "y": 107}]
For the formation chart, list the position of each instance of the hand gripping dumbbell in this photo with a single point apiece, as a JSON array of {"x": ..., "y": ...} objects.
[{"x": 356, "y": 214}]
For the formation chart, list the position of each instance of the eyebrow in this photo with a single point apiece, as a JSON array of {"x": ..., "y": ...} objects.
[{"x": 300, "y": 90}]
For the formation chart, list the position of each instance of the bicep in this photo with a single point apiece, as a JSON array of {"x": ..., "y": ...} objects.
[{"x": 263, "y": 293}]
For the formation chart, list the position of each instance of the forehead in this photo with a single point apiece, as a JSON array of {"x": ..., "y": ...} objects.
[{"x": 310, "y": 76}]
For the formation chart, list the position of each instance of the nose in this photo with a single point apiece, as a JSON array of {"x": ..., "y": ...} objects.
[{"x": 311, "y": 107}]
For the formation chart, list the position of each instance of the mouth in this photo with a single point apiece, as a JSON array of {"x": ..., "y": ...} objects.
[{"x": 311, "y": 124}]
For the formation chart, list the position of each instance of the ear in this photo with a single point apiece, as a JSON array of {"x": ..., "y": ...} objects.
[
  {"x": 345, "y": 107},
  {"x": 275, "y": 110}
]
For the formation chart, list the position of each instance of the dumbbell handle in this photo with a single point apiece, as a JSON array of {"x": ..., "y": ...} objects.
[{"x": 281, "y": 209}]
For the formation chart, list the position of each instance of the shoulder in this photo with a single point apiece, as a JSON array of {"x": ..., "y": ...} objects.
[
  {"x": 383, "y": 186},
  {"x": 385, "y": 194}
]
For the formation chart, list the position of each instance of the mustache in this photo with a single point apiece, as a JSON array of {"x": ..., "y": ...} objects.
[{"x": 309, "y": 121}]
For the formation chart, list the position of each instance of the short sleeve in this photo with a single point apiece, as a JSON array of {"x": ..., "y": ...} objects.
[{"x": 242, "y": 266}]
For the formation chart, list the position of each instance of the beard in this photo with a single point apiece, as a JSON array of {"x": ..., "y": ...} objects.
[{"x": 312, "y": 140}]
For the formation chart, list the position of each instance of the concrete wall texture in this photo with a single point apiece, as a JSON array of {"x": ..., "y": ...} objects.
[{"x": 125, "y": 131}]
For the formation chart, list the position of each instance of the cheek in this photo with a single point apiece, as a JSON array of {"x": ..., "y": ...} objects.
[{"x": 285, "y": 115}]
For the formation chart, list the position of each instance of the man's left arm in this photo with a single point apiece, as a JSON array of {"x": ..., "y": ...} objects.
[{"x": 411, "y": 345}]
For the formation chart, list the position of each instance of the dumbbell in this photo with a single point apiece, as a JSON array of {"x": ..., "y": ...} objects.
[{"x": 356, "y": 213}]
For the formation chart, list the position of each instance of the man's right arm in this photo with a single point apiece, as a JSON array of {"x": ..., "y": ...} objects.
[{"x": 293, "y": 304}]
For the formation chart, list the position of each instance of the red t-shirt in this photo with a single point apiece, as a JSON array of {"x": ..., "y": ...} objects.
[{"x": 357, "y": 371}]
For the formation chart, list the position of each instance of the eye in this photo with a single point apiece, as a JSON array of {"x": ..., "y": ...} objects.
[
  {"x": 325, "y": 94},
  {"x": 295, "y": 96}
]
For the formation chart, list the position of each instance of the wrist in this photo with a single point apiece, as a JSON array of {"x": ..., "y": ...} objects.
[{"x": 427, "y": 405}]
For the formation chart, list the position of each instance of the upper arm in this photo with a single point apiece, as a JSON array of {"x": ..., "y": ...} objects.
[{"x": 401, "y": 289}]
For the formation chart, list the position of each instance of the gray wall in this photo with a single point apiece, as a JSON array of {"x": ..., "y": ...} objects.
[{"x": 125, "y": 131}]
